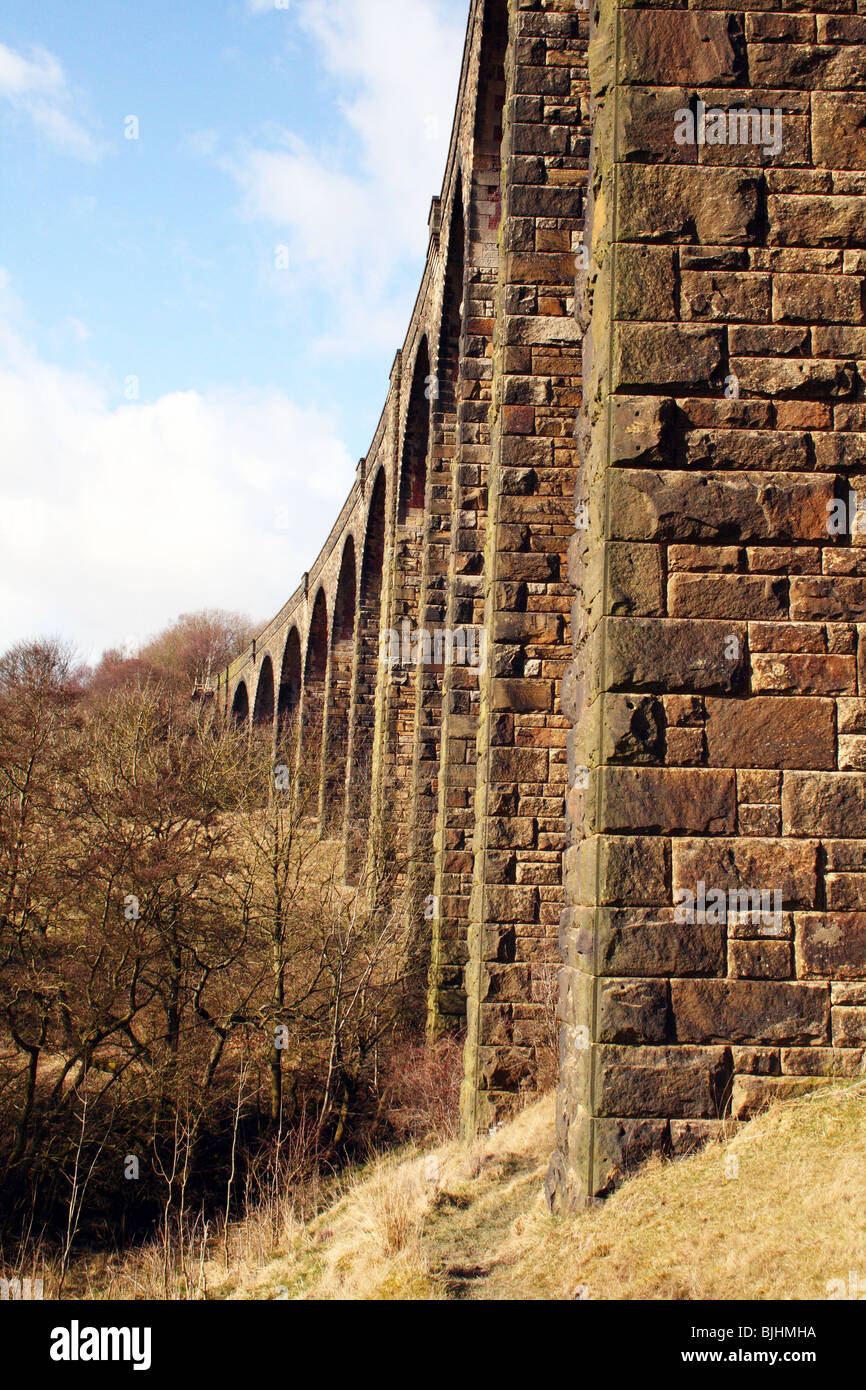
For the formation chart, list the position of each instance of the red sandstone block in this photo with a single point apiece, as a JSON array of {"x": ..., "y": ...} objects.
[
  {"x": 789, "y": 867},
  {"x": 684, "y": 711},
  {"x": 780, "y": 27},
  {"x": 771, "y": 376},
  {"x": 760, "y": 960},
  {"x": 759, "y": 820},
  {"x": 804, "y": 415},
  {"x": 662, "y": 801},
  {"x": 849, "y": 1027},
  {"x": 787, "y": 637},
  {"x": 822, "y": 1061},
  {"x": 771, "y": 732},
  {"x": 846, "y": 892},
  {"x": 519, "y": 419},
  {"x": 824, "y": 804},
  {"x": 838, "y": 121},
  {"x": 852, "y": 753},
  {"x": 772, "y": 559},
  {"x": 716, "y": 558},
  {"x": 677, "y": 506},
  {"x": 831, "y": 945},
  {"x": 642, "y": 941},
  {"x": 817, "y": 298},
  {"x": 759, "y": 787},
  {"x": 685, "y": 1082},
  {"x": 752, "y": 1094},
  {"x": 707, "y": 1011},
  {"x": 805, "y": 675},
  {"x": 756, "y": 1061},
  {"x": 671, "y": 47},
  {"x": 684, "y": 747},
  {"x": 732, "y": 596}
]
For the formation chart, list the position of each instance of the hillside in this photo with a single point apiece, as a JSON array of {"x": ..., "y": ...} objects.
[{"x": 453, "y": 1223}]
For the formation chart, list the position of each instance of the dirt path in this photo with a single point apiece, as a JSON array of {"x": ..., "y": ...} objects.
[{"x": 470, "y": 1239}]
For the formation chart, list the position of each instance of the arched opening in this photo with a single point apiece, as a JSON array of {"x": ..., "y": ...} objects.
[
  {"x": 438, "y": 683},
  {"x": 461, "y": 695},
  {"x": 374, "y": 543},
  {"x": 241, "y": 707},
  {"x": 313, "y": 704},
  {"x": 413, "y": 471},
  {"x": 410, "y": 558},
  {"x": 359, "y": 775},
  {"x": 290, "y": 686},
  {"x": 340, "y": 688},
  {"x": 263, "y": 711},
  {"x": 448, "y": 366}
]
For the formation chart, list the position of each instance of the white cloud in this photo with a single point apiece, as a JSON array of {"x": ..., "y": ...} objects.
[
  {"x": 37, "y": 88},
  {"x": 21, "y": 76},
  {"x": 354, "y": 222},
  {"x": 115, "y": 518}
]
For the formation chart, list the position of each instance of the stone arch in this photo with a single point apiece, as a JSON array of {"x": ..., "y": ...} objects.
[
  {"x": 451, "y": 323},
  {"x": 313, "y": 697},
  {"x": 290, "y": 683},
  {"x": 263, "y": 710},
  {"x": 442, "y": 694},
  {"x": 394, "y": 790},
  {"x": 413, "y": 467},
  {"x": 458, "y": 810},
  {"x": 374, "y": 541},
  {"x": 241, "y": 706},
  {"x": 368, "y": 624},
  {"x": 339, "y": 696}
]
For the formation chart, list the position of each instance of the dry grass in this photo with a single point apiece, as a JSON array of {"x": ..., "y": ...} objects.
[{"x": 471, "y": 1223}]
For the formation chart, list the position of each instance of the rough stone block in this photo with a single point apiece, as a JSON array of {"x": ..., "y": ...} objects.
[
  {"x": 789, "y": 867},
  {"x": 771, "y": 732},
  {"x": 752, "y": 1094},
  {"x": 632, "y": 1011},
  {"x": 675, "y": 655},
  {"x": 831, "y": 945},
  {"x": 674, "y": 506},
  {"x": 663, "y": 801},
  {"x": 824, "y": 804},
  {"x": 661, "y": 203},
  {"x": 680, "y": 1082},
  {"x": 750, "y": 1011},
  {"x": 760, "y": 960},
  {"x": 670, "y": 46}
]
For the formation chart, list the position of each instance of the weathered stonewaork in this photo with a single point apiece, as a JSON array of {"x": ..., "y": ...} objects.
[
  {"x": 519, "y": 800},
  {"x": 622, "y": 448},
  {"x": 713, "y": 942},
  {"x": 454, "y": 539}
]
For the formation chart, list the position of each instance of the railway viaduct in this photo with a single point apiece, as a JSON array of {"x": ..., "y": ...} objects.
[{"x": 617, "y": 469}]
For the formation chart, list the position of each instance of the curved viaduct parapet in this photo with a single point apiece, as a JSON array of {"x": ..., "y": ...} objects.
[
  {"x": 704, "y": 717},
  {"x": 417, "y": 664},
  {"x": 398, "y": 456}
]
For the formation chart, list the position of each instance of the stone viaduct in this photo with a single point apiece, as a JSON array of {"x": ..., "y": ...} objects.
[{"x": 619, "y": 461}]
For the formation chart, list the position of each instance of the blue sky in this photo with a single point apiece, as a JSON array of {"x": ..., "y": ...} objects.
[{"x": 197, "y": 324}]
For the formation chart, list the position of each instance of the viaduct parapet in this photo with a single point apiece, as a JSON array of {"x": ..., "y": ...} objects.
[{"x": 617, "y": 472}]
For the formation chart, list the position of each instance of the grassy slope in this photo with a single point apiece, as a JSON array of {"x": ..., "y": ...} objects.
[{"x": 454, "y": 1223}]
